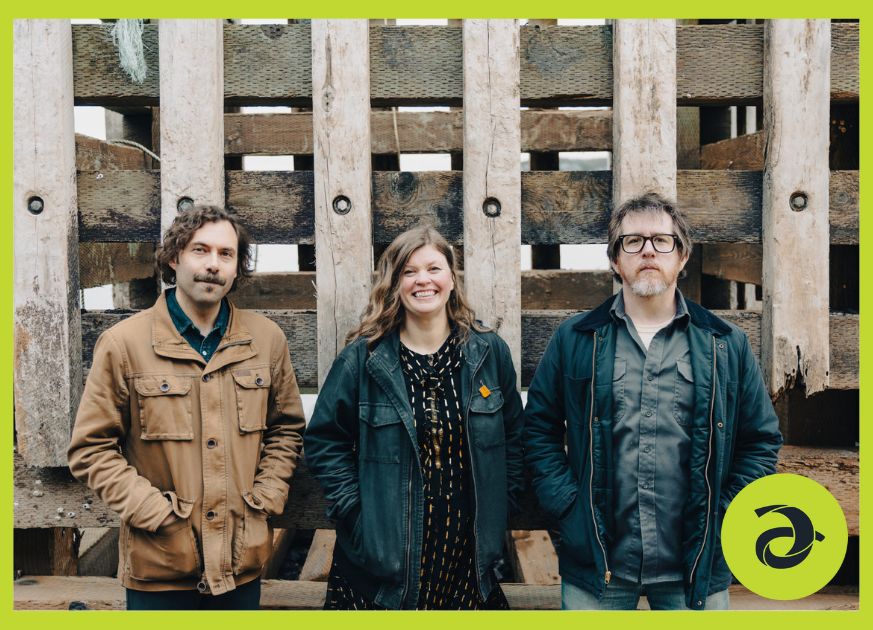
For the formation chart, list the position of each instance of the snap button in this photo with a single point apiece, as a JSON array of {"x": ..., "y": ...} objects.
[
  {"x": 210, "y": 515},
  {"x": 649, "y": 413},
  {"x": 165, "y": 387},
  {"x": 256, "y": 500},
  {"x": 596, "y": 419},
  {"x": 651, "y": 378},
  {"x": 259, "y": 381},
  {"x": 721, "y": 346},
  {"x": 206, "y": 378},
  {"x": 720, "y": 425},
  {"x": 202, "y": 587},
  {"x": 210, "y": 443}
]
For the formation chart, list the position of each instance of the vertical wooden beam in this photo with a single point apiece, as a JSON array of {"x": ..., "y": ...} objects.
[
  {"x": 644, "y": 108},
  {"x": 48, "y": 337},
  {"x": 192, "y": 115},
  {"x": 343, "y": 225},
  {"x": 492, "y": 176},
  {"x": 795, "y": 229}
]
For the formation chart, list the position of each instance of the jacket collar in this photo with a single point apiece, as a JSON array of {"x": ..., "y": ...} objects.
[
  {"x": 387, "y": 351},
  {"x": 167, "y": 341},
  {"x": 700, "y": 317}
]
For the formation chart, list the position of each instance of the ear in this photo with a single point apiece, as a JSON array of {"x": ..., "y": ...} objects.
[
  {"x": 173, "y": 264},
  {"x": 684, "y": 260}
]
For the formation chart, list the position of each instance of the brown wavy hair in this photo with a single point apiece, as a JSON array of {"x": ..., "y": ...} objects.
[
  {"x": 385, "y": 312},
  {"x": 179, "y": 234}
]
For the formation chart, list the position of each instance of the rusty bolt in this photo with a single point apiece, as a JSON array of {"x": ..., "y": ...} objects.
[
  {"x": 491, "y": 207},
  {"x": 799, "y": 201},
  {"x": 342, "y": 204},
  {"x": 35, "y": 205}
]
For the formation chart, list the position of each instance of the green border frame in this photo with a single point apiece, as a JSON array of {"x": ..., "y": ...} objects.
[{"x": 457, "y": 8}]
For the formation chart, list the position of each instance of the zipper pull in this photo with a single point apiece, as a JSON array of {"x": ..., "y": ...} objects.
[{"x": 608, "y": 576}]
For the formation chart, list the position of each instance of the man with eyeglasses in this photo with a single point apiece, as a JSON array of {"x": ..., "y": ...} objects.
[{"x": 645, "y": 417}]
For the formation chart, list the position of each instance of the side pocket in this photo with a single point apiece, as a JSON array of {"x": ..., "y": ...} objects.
[
  {"x": 253, "y": 544},
  {"x": 167, "y": 555}
]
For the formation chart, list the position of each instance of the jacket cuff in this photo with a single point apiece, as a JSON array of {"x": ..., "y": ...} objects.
[
  {"x": 151, "y": 512},
  {"x": 271, "y": 498}
]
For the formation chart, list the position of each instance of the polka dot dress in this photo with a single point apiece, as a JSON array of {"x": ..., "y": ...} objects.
[{"x": 448, "y": 577}]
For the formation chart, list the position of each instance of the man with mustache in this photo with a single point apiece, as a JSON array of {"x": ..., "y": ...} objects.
[
  {"x": 644, "y": 419},
  {"x": 190, "y": 427}
]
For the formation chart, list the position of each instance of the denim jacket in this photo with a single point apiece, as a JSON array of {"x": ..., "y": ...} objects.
[
  {"x": 361, "y": 445},
  {"x": 735, "y": 440}
]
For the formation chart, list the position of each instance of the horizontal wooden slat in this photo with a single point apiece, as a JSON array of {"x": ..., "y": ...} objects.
[
  {"x": 559, "y": 65},
  {"x": 537, "y": 328},
  {"x": 740, "y": 262},
  {"x": 61, "y": 495},
  {"x": 417, "y": 132},
  {"x": 741, "y": 153},
  {"x": 540, "y": 289},
  {"x": 59, "y": 593},
  {"x": 558, "y": 207}
]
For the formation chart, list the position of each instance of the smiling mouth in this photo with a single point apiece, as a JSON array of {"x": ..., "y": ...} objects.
[{"x": 424, "y": 294}]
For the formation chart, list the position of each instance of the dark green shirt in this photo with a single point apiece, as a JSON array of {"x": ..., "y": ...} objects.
[
  {"x": 653, "y": 391},
  {"x": 205, "y": 346}
]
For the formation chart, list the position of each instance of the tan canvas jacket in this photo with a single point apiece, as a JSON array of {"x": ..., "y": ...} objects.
[{"x": 160, "y": 430}]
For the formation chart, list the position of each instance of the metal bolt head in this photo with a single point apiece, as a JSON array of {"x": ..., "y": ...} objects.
[
  {"x": 184, "y": 204},
  {"x": 86, "y": 506},
  {"x": 37, "y": 493},
  {"x": 57, "y": 517},
  {"x": 491, "y": 207},
  {"x": 342, "y": 204},
  {"x": 71, "y": 515},
  {"x": 35, "y": 205},
  {"x": 799, "y": 201},
  {"x": 61, "y": 510}
]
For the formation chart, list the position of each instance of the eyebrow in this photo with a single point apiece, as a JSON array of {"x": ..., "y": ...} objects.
[{"x": 202, "y": 244}]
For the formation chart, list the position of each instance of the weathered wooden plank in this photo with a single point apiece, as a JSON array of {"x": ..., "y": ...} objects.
[
  {"x": 741, "y": 153},
  {"x": 740, "y": 262},
  {"x": 343, "y": 223},
  {"x": 110, "y": 263},
  {"x": 192, "y": 128},
  {"x": 417, "y": 132},
  {"x": 533, "y": 557},
  {"x": 93, "y": 154},
  {"x": 560, "y": 207},
  {"x": 795, "y": 206},
  {"x": 560, "y": 65},
  {"x": 540, "y": 289},
  {"x": 492, "y": 179},
  {"x": 644, "y": 109},
  {"x": 40, "y": 492},
  {"x": 58, "y": 593},
  {"x": 320, "y": 556},
  {"x": 47, "y": 377}
]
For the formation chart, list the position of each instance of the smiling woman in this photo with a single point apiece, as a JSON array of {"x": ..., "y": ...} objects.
[{"x": 421, "y": 464}]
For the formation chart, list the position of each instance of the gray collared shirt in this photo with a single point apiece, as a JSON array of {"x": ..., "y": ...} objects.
[{"x": 653, "y": 391}]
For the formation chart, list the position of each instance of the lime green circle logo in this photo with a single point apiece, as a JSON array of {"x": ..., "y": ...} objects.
[{"x": 784, "y": 536}]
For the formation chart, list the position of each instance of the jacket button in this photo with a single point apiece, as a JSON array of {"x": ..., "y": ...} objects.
[
  {"x": 720, "y": 425},
  {"x": 596, "y": 419},
  {"x": 259, "y": 381},
  {"x": 202, "y": 587},
  {"x": 165, "y": 387},
  {"x": 210, "y": 515},
  {"x": 206, "y": 378},
  {"x": 721, "y": 346},
  {"x": 210, "y": 443},
  {"x": 256, "y": 500},
  {"x": 649, "y": 413}
]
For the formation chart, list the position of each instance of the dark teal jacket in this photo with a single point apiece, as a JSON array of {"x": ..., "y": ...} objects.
[
  {"x": 735, "y": 440},
  {"x": 361, "y": 445}
]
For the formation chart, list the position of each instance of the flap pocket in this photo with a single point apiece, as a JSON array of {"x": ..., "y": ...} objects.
[
  {"x": 169, "y": 385},
  {"x": 378, "y": 415},
  {"x": 252, "y": 387},
  {"x": 619, "y": 369},
  {"x": 684, "y": 369},
  {"x": 164, "y": 404},
  {"x": 493, "y": 402},
  {"x": 181, "y": 507},
  {"x": 252, "y": 379}
]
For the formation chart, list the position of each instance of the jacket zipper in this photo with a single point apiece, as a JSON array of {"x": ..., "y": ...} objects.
[
  {"x": 408, "y": 534},
  {"x": 608, "y": 574},
  {"x": 706, "y": 469},
  {"x": 473, "y": 468}
]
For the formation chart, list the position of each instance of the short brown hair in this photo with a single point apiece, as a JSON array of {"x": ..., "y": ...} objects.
[
  {"x": 649, "y": 202},
  {"x": 179, "y": 234}
]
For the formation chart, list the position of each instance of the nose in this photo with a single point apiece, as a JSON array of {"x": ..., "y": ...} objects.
[
  {"x": 212, "y": 262},
  {"x": 648, "y": 248}
]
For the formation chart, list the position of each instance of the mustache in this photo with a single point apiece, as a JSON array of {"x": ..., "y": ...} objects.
[{"x": 210, "y": 278}]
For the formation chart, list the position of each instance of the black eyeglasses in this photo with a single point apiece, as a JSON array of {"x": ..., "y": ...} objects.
[{"x": 634, "y": 243}]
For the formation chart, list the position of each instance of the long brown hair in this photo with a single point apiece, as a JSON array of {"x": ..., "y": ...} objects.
[{"x": 385, "y": 311}]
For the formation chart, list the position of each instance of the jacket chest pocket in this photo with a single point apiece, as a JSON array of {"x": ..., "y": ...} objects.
[
  {"x": 683, "y": 395},
  {"x": 164, "y": 407},
  {"x": 252, "y": 388},
  {"x": 381, "y": 433},
  {"x": 486, "y": 419}
]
